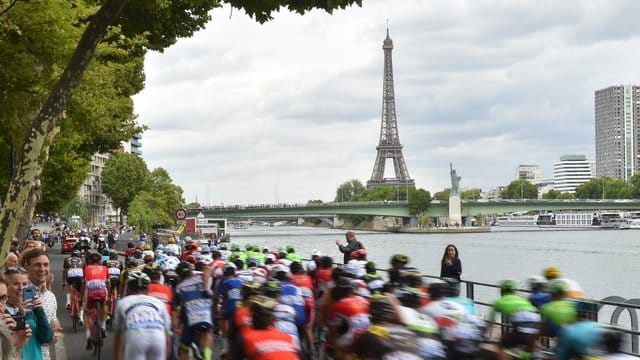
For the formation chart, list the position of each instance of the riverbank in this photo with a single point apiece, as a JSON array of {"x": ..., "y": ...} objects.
[{"x": 378, "y": 225}]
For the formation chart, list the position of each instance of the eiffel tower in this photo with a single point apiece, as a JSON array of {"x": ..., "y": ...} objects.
[{"x": 389, "y": 146}]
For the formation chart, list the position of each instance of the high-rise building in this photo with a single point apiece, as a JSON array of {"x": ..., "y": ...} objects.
[
  {"x": 572, "y": 171},
  {"x": 531, "y": 173},
  {"x": 134, "y": 145},
  {"x": 99, "y": 205},
  {"x": 617, "y": 122}
]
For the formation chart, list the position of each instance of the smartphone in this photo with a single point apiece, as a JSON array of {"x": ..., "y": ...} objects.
[
  {"x": 28, "y": 294},
  {"x": 20, "y": 322}
]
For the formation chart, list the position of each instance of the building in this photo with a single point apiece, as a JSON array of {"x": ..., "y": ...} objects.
[
  {"x": 531, "y": 173},
  {"x": 617, "y": 123},
  {"x": 544, "y": 186},
  {"x": 572, "y": 171},
  {"x": 101, "y": 211},
  {"x": 134, "y": 145}
]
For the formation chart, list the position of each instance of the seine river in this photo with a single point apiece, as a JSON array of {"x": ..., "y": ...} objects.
[{"x": 603, "y": 262}]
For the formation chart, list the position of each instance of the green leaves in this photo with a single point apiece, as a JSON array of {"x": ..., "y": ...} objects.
[
  {"x": 123, "y": 178},
  {"x": 520, "y": 189}
]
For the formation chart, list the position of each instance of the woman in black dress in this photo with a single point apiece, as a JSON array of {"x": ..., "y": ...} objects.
[{"x": 451, "y": 266}]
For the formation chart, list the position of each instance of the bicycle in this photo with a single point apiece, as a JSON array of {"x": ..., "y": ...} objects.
[
  {"x": 74, "y": 312},
  {"x": 96, "y": 333}
]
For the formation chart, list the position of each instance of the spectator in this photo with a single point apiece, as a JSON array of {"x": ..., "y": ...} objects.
[
  {"x": 11, "y": 260},
  {"x": 38, "y": 269},
  {"x": 450, "y": 266},
  {"x": 155, "y": 240},
  {"x": 9, "y": 339},
  {"x": 351, "y": 245}
]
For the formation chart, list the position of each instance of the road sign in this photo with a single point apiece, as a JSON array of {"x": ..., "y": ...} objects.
[
  {"x": 180, "y": 214},
  {"x": 181, "y": 222},
  {"x": 180, "y": 229}
]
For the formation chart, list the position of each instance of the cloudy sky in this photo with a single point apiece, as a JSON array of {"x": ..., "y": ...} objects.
[{"x": 244, "y": 113}]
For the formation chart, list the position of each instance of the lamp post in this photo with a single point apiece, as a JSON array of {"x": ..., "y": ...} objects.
[{"x": 603, "y": 188}]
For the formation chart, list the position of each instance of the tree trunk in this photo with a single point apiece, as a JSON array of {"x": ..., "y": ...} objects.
[
  {"x": 45, "y": 126},
  {"x": 35, "y": 194}
]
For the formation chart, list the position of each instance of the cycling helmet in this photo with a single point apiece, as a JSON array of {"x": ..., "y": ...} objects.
[
  {"x": 557, "y": 287},
  {"x": 252, "y": 262},
  {"x": 187, "y": 238},
  {"x": 370, "y": 267},
  {"x": 95, "y": 257},
  {"x": 261, "y": 304},
  {"x": 229, "y": 268},
  {"x": 235, "y": 247},
  {"x": 138, "y": 279},
  {"x": 250, "y": 288},
  {"x": 190, "y": 258},
  {"x": 509, "y": 285},
  {"x": 279, "y": 271},
  {"x": 223, "y": 247},
  {"x": 113, "y": 255},
  {"x": 106, "y": 251},
  {"x": 265, "y": 250},
  {"x": 411, "y": 298},
  {"x": 171, "y": 240},
  {"x": 536, "y": 282},
  {"x": 205, "y": 249},
  {"x": 552, "y": 272},
  {"x": 183, "y": 269},
  {"x": 147, "y": 247},
  {"x": 272, "y": 288},
  {"x": 438, "y": 289},
  {"x": 411, "y": 278},
  {"x": 344, "y": 283},
  {"x": 75, "y": 253},
  {"x": 381, "y": 309},
  {"x": 290, "y": 249},
  {"x": 399, "y": 259}
]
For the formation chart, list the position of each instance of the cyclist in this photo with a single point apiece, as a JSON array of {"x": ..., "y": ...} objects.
[
  {"x": 114, "y": 267},
  {"x": 141, "y": 323},
  {"x": 228, "y": 290},
  {"x": 348, "y": 318},
  {"x": 193, "y": 309},
  {"x": 97, "y": 288},
  {"x": 172, "y": 248},
  {"x": 73, "y": 277},
  {"x": 262, "y": 341},
  {"x": 158, "y": 290}
]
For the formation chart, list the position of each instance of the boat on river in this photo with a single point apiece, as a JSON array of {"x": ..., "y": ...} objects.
[
  {"x": 569, "y": 219},
  {"x": 517, "y": 220}
]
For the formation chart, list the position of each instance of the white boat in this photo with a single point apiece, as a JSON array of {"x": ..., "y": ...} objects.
[
  {"x": 569, "y": 219},
  {"x": 634, "y": 224},
  {"x": 517, "y": 220},
  {"x": 615, "y": 220}
]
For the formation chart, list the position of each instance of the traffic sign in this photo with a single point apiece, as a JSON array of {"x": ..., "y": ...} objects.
[
  {"x": 180, "y": 229},
  {"x": 181, "y": 222},
  {"x": 180, "y": 214}
]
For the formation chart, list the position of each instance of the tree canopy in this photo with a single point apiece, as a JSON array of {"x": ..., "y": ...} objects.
[
  {"x": 520, "y": 189},
  {"x": 140, "y": 24},
  {"x": 605, "y": 188},
  {"x": 124, "y": 176}
]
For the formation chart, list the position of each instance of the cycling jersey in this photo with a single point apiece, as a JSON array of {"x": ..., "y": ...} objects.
[
  {"x": 144, "y": 323},
  {"x": 305, "y": 284},
  {"x": 292, "y": 296},
  {"x": 96, "y": 277},
  {"x": 194, "y": 307},
  {"x": 350, "y": 314},
  {"x": 268, "y": 344},
  {"x": 162, "y": 293},
  {"x": 114, "y": 268},
  {"x": 74, "y": 266},
  {"x": 391, "y": 341},
  {"x": 170, "y": 263},
  {"x": 229, "y": 289},
  {"x": 285, "y": 321}
]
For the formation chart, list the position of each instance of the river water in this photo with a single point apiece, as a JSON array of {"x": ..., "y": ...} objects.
[{"x": 603, "y": 262}]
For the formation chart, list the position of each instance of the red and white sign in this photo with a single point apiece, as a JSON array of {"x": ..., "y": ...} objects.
[{"x": 180, "y": 214}]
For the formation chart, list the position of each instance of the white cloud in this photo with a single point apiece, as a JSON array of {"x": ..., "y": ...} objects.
[{"x": 288, "y": 110}]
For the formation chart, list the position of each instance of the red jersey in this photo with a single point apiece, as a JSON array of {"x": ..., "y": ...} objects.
[
  {"x": 305, "y": 284},
  {"x": 163, "y": 293},
  {"x": 268, "y": 344},
  {"x": 242, "y": 319},
  {"x": 96, "y": 277},
  {"x": 352, "y": 312},
  {"x": 322, "y": 280}
]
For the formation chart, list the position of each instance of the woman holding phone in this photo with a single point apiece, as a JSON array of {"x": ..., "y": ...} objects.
[{"x": 34, "y": 315}]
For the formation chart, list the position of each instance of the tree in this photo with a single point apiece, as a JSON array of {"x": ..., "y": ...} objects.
[
  {"x": 605, "y": 188},
  {"x": 123, "y": 177},
  {"x": 471, "y": 194},
  {"x": 349, "y": 190},
  {"x": 442, "y": 195},
  {"x": 635, "y": 184},
  {"x": 162, "y": 187},
  {"x": 77, "y": 207},
  {"x": 193, "y": 205},
  {"x": 551, "y": 194},
  {"x": 162, "y": 22},
  {"x": 146, "y": 210},
  {"x": 520, "y": 189},
  {"x": 317, "y": 201},
  {"x": 419, "y": 201}
]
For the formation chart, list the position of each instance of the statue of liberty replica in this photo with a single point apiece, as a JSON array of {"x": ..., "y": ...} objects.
[{"x": 455, "y": 207}]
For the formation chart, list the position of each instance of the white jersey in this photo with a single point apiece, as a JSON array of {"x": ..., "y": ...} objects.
[
  {"x": 174, "y": 248},
  {"x": 144, "y": 323}
]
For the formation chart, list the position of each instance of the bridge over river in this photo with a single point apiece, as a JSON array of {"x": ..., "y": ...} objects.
[{"x": 400, "y": 208}]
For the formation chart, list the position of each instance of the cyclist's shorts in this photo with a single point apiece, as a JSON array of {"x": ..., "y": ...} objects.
[
  {"x": 76, "y": 282},
  {"x": 99, "y": 294},
  {"x": 115, "y": 282},
  {"x": 189, "y": 334},
  {"x": 228, "y": 310},
  {"x": 523, "y": 334}
]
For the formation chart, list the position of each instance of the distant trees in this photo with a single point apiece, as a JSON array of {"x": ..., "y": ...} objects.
[
  {"x": 419, "y": 201},
  {"x": 555, "y": 194},
  {"x": 471, "y": 194},
  {"x": 605, "y": 188},
  {"x": 520, "y": 189},
  {"x": 349, "y": 190},
  {"x": 148, "y": 198}
]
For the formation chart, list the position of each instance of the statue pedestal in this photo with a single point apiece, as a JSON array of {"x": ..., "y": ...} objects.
[{"x": 455, "y": 210}]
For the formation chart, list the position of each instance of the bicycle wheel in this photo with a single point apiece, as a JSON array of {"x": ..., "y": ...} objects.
[
  {"x": 74, "y": 313},
  {"x": 97, "y": 330}
]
